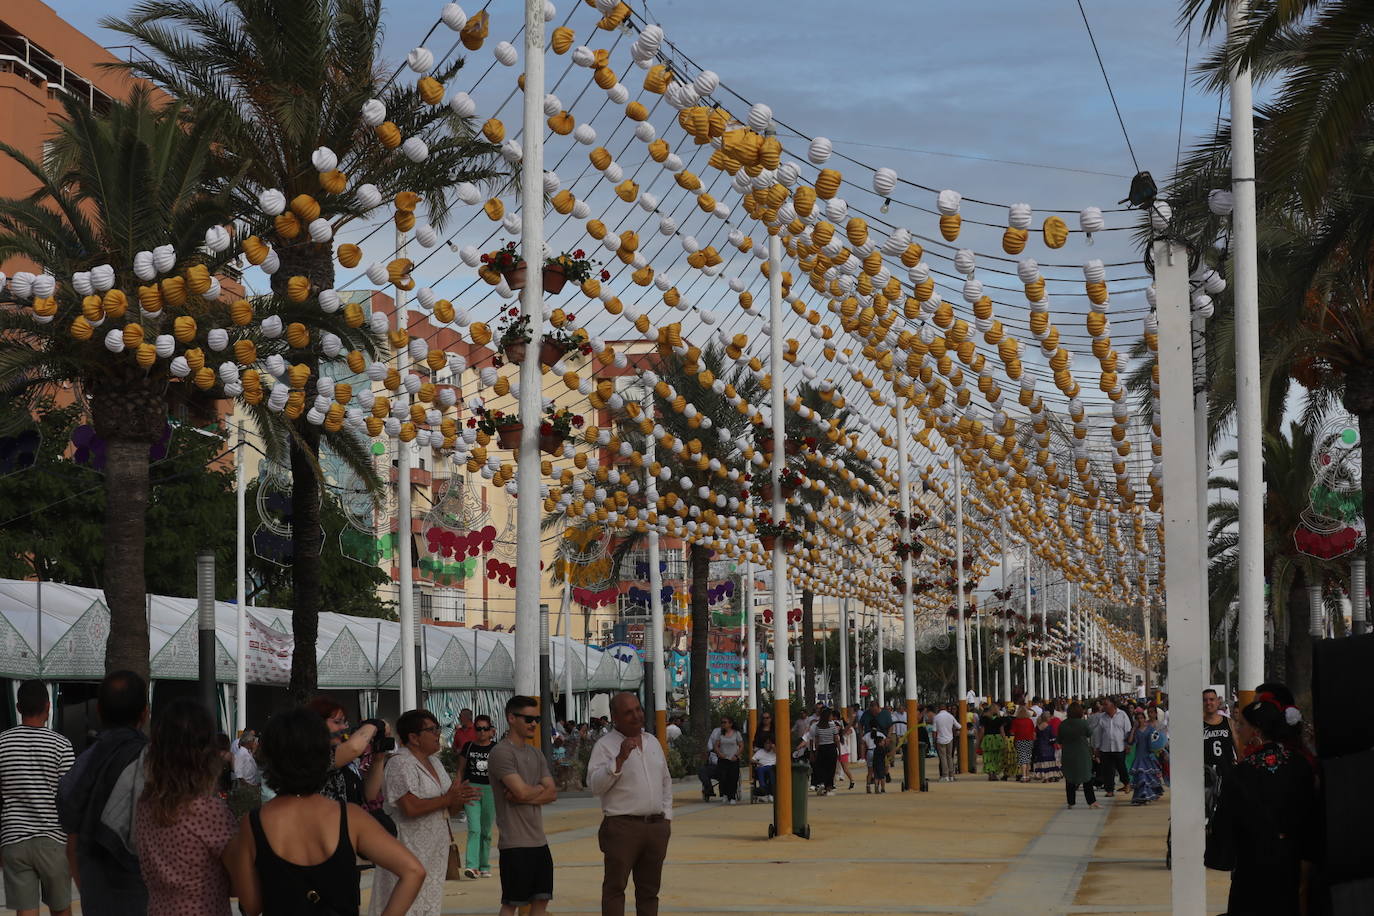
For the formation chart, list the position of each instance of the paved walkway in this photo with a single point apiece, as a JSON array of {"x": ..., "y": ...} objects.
[{"x": 970, "y": 847}]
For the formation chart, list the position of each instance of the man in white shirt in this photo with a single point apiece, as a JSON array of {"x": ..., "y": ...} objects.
[
  {"x": 674, "y": 730},
  {"x": 245, "y": 766},
  {"x": 1109, "y": 745},
  {"x": 630, "y": 776},
  {"x": 765, "y": 762},
  {"x": 946, "y": 724}
]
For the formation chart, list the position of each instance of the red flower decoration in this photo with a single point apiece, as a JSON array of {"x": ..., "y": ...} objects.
[
  {"x": 605, "y": 275},
  {"x": 545, "y": 428},
  {"x": 486, "y": 259},
  {"x": 577, "y": 421},
  {"x": 579, "y": 253},
  {"x": 513, "y": 311},
  {"x": 572, "y": 317}
]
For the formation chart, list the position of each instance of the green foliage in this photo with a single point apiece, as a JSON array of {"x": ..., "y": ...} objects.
[{"x": 58, "y": 508}]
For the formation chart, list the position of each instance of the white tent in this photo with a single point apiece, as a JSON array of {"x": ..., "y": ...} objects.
[{"x": 58, "y": 632}]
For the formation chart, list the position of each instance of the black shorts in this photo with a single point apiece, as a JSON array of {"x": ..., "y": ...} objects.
[{"x": 526, "y": 875}]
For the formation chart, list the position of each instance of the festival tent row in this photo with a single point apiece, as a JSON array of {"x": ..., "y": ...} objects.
[{"x": 58, "y": 633}]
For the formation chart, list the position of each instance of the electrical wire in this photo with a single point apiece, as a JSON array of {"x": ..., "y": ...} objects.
[{"x": 1103, "y": 67}]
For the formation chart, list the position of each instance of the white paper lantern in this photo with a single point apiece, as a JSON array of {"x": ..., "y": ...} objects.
[
  {"x": 329, "y": 301},
  {"x": 272, "y": 263},
  {"x": 818, "y": 153},
  {"x": 1094, "y": 271},
  {"x": 884, "y": 181},
  {"x": 1028, "y": 270},
  {"x": 965, "y": 261},
  {"x": 180, "y": 368},
  {"x": 81, "y": 282},
  {"x": 1220, "y": 202},
  {"x": 947, "y": 202},
  {"x": 973, "y": 290},
  {"x": 272, "y": 202},
  {"x": 618, "y": 94},
  {"x": 421, "y": 60},
  {"x": 505, "y": 53},
  {"x": 320, "y": 230},
  {"x": 583, "y": 56},
  {"x": 114, "y": 340},
  {"x": 706, "y": 82},
  {"x": 376, "y": 274},
  {"x": 373, "y": 113},
  {"x": 462, "y": 105},
  {"x": 217, "y": 339},
  {"x": 760, "y": 117},
  {"x": 467, "y": 192},
  {"x": 415, "y": 149},
  {"x": 645, "y": 132},
  {"x": 1160, "y": 215},
  {"x": 788, "y": 174},
  {"x": 453, "y": 16},
  {"x": 143, "y": 266},
  {"x": 367, "y": 196},
  {"x": 584, "y": 134},
  {"x": 552, "y": 105},
  {"x": 1090, "y": 220},
  {"x": 324, "y": 160},
  {"x": 426, "y": 236},
  {"x": 512, "y": 152},
  {"x": 164, "y": 258},
  {"x": 1019, "y": 216}
]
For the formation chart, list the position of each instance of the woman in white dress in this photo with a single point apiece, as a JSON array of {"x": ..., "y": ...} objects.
[{"x": 420, "y": 796}]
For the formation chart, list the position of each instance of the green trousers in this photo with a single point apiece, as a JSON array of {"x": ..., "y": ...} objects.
[{"x": 481, "y": 813}]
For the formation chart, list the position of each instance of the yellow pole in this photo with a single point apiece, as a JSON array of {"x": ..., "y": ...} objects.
[
  {"x": 782, "y": 776},
  {"x": 913, "y": 747},
  {"x": 661, "y": 729}
]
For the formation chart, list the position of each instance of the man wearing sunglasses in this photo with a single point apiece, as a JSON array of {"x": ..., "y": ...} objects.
[{"x": 522, "y": 785}]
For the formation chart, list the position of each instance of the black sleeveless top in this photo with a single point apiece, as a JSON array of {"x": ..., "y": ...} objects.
[{"x": 327, "y": 889}]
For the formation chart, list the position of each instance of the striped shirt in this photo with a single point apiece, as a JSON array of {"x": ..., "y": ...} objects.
[{"x": 32, "y": 760}]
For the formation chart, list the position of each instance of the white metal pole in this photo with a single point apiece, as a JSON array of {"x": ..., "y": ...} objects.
[
  {"x": 913, "y": 782},
  {"x": 750, "y": 647},
  {"x": 960, "y": 625},
  {"x": 1358, "y": 611},
  {"x": 1071, "y": 670},
  {"x": 844, "y": 655},
  {"x": 1045, "y": 682},
  {"x": 654, "y": 644},
  {"x": 528, "y": 501},
  {"x": 1186, "y": 598},
  {"x": 241, "y": 587},
  {"x": 1005, "y": 688},
  {"x": 1030, "y": 628},
  {"x": 405, "y": 594},
  {"x": 1249, "y": 421},
  {"x": 566, "y": 611},
  {"x": 859, "y": 656},
  {"x": 782, "y": 805},
  {"x": 880, "y": 644}
]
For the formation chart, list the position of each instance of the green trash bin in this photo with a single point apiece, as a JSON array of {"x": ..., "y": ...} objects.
[{"x": 801, "y": 787}]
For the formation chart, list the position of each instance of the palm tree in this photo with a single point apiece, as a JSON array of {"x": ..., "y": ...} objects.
[
  {"x": 812, "y": 501},
  {"x": 285, "y": 77},
  {"x": 1288, "y": 485},
  {"x": 129, "y": 180},
  {"x": 691, "y": 381}
]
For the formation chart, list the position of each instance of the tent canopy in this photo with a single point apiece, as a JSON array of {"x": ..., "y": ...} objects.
[{"x": 58, "y": 632}]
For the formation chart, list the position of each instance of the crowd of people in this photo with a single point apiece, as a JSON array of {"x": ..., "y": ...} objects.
[{"x": 141, "y": 820}]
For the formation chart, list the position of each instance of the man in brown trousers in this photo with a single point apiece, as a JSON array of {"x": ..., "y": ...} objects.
[{"x": 629, "y": 774}]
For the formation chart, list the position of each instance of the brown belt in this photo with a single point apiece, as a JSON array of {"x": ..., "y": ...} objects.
[{"x": 646, "y": 818}]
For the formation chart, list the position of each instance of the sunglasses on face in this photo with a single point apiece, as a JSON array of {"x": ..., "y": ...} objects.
[
  {"x": 529, "y": 720},
  {"x": 485, "y": 728}
]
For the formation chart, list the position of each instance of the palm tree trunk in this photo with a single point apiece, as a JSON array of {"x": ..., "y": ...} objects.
[
  {"x": 1298, "y": 649},
  {"x": 307, "y": 538},
  {"x": 699, "y": 689},
  {"x": 808, "y": 648},
  {"x": 314, "y": 261},
  {"x": 126, "y": 510},
  {"x": 130, "y": 415}
]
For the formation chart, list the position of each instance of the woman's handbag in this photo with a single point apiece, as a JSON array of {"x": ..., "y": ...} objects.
[{"x": 454, "y": 871}]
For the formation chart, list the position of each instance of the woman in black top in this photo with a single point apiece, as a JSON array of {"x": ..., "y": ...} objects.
[
  {"x": 296, "y": 855},
  {"x": 481, "y": 811}
]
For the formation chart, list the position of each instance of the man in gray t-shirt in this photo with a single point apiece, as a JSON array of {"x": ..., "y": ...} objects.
[{"x": 521, "y": 785}]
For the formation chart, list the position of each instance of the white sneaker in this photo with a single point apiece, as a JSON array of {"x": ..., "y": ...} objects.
[{"x": 732, "y": 801}]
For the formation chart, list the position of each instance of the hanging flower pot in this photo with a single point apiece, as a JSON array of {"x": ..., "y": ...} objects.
[
  {"x": 509, "y": 435},
  {"x": 769, "y": 541},
  {"x": 515, "y": 353},
  {"x": 554, "y": 279},
  {"x": 550, "y": 352},
  {"x": 551, "y": 442},
  {"x": 515, "y": 277}
]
